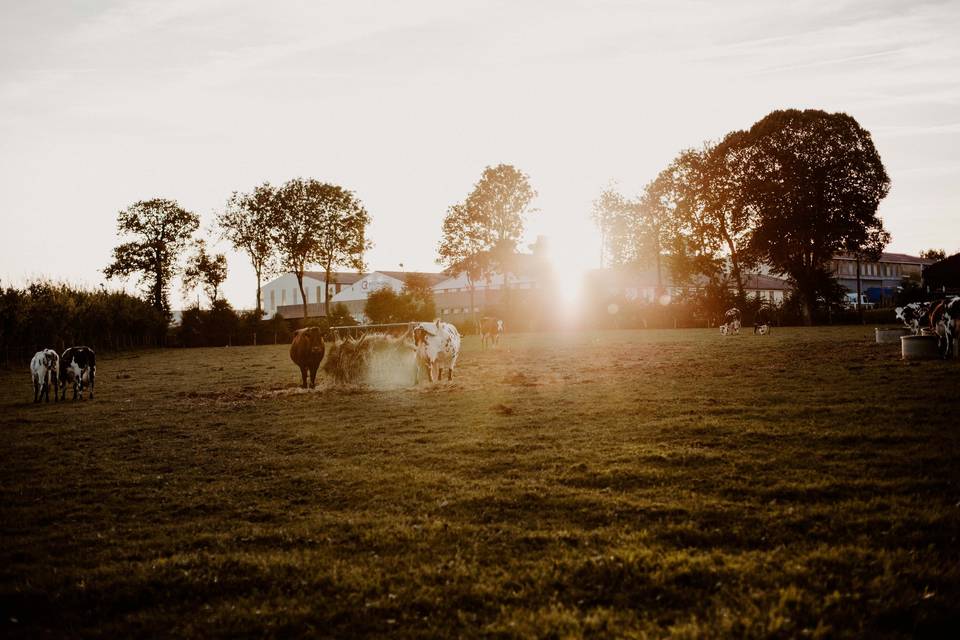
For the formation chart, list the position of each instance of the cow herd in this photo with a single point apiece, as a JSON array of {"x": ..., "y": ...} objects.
[
  {"x": 940, "y": 317},
  {"x": 76, "y": 366},
  {"x": 732, "y": 321}
]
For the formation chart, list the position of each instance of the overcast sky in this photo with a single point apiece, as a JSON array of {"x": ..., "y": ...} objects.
[{"x": 106, "y": 103}]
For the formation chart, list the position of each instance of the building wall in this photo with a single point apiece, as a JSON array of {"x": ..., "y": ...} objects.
[
  {"x": 283, "y": 291},
  {"x": 366, "y": 285}
]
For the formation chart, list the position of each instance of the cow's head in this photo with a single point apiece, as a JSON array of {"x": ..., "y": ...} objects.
[
  {"x": 900, "y": 313},
  {"x": 419, "y": 335}
]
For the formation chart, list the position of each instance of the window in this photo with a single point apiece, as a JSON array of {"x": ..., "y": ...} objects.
[
  {"x": 294, "y": 296},
  {"x": 319, "y": 289},
  {"x": 273, "y": 299},
  {"x": 283, "y": 296}
]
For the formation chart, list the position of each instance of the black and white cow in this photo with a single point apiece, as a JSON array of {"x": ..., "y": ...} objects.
[
  {"x": 913, "y": 315},
  {"x": 761, "y": 322},
  {"x": 437, "y": 345},
  {"x": 945, "y": 320},
  {"x": 45, "y": 371},
  {"x": 79, "y": 366},
  {"x": 731, "y": 322}
]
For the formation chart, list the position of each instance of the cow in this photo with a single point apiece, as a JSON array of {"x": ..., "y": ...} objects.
[
  {"x": 77, "y": 365},
  {"x": 945, "y": 320},
  {"x": 306, "y": 351},
  {"x": 437, "y": 346},
  {"x": 490, "y": 331},
  {"x": 731, "y": 322},
  {"x": 912, "y": 315},
  {"x": 761, "y": 323},
  {"x": 45, "y": 372}
]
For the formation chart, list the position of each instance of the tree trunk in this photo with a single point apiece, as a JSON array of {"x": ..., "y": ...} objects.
[
  {"x": 259, "y": 305},
  {"x": 473, "y": 308},
  {"x": 859, "y": 309},
  {"x": 302, "y": 296},
  {"x": 326, "y": 291}
]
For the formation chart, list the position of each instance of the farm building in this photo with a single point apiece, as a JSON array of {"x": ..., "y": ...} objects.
[
  {"x": 636, "y": 284},
  {"x": 878, "y": 280},
  {"x": 283, "y": 295},
  {"x": 943, "y": 276}
]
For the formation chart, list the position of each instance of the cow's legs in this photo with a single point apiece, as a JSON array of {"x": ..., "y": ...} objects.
[
  {"x": 433, "y": 372},
  {"x": 450, "y": 373},
  {"x": 91, "y": 382},
  {"x": 36, "y": 389},
  {"x": 303, "y": 377},
  {"x": 313, "y": 376}
]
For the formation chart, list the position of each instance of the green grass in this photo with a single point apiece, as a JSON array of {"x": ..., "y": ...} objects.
[{"x": 599, "y": 484}]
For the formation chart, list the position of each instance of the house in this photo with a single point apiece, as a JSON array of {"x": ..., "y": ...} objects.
[
  {"x": 354, "y": 296},
  {"x": 878, "y": 279},
  {"x": 282, "y": 294},
  {"x": 640, "y": 285}
]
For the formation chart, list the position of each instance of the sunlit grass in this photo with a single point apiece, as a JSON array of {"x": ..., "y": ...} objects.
[{"x": 605, "y": 484}]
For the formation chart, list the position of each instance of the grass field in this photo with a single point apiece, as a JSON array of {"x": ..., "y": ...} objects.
[{"x": 601, "y": 484}]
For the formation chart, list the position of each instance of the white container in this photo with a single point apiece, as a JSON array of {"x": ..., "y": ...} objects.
[
  {"x": 889, "y": 336},
  {"x": 919, "y": 347}
]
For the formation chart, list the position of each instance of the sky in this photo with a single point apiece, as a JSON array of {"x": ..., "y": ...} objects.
[{"x": 106, "y": 103}]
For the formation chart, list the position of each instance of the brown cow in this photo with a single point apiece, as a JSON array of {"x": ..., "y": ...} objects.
[
  {"x": 490, "y": 331},
  {"x": 307, "y": 352}
]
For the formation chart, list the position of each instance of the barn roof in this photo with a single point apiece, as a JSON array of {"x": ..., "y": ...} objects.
[
  {"x": 901, "y": 258},
  {"x": 431, "y": 277},
  {"x": 336, "y": 277}
]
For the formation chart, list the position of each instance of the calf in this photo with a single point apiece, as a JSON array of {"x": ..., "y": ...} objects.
[
  {"x": 490, "y": 331},
  {"x": 45, "y": 372},
  {"x": 731, "y": 322},
  {"x": 77, "y": 365},
  {"x": 306, "y": 351},
  {"x": 945, "y": 320},
  {"x": 437, "y": 345},
  {"x": 912, "y": 315}
]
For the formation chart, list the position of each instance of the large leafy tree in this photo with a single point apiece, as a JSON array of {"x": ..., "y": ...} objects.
[
  {"x": 160, "y": 231},
  {"x": 481, "y": 234},
  {"x": 246, "y": 223},
  {"x": 816, "y": 181},
  {"x": 344, "y": 223},
  {"x": 206, "y": 270},
  {"x": 318, "y": 223},
  {"x": 464, "y": 248}
]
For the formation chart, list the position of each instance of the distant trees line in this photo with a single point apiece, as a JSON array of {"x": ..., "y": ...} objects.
[
  {"x": 789, "y": 193},
  {"x": 45, "y": 314},
  {"x": 286, "y": 228}
]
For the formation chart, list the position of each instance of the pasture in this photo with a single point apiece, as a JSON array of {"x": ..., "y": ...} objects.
[{"x": 599, "y": 484}]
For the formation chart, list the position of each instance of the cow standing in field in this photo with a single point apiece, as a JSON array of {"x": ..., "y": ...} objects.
[
  {"x": 45, "y": 372},
  {"x": 306, "y": 351},
  {"x": 913, "y": 315},
  {"x": 731, "y": 322},
  {"x": 761, "y": 322},
  {"x": 79, "y": 366},
  {"x": 945, "y": 320},
  {"x": 490, "y": 331},
  {"x": 437, "y": 345}
]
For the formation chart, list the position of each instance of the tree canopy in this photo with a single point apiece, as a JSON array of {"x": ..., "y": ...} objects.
[
  {"x": 816, "y": 180},
  {"x": 206, "y": 270},
  {"x": 160, "y": 231},
  {"x": 246, "y": 223}
]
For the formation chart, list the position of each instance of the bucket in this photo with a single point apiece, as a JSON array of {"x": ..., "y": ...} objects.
[
  {"x": 919, "y": 347},
  {"x": 888, "y": 336}
]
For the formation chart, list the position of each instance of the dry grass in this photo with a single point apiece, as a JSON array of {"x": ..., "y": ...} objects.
[
  {"x": 606, "y": 484},
  {"x": 377, "y": 360}
]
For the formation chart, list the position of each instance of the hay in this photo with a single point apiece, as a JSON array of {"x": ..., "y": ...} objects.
[{"x": 375, "y": 359}]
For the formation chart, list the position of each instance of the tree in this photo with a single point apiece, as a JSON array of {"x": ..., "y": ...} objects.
[
  {"x": 419, "y": 294},
  {"x": 161, "y": 230},
  {"x": 344, "y": 222},
  {"x": 385, "y": 306},
  {"x": 867, "y": 246},
  {"x": 464, "y": 248},
  {"x": 615, "y": 216},
  {"x": 815, "y": 180},
  {"x": 205, "y": 270},
  {"x": 318, "y": 223},
  {"x": 934, "y": 254},
  {"x": 500, "y": 202},
  {"x": 246, "y": 223}
]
